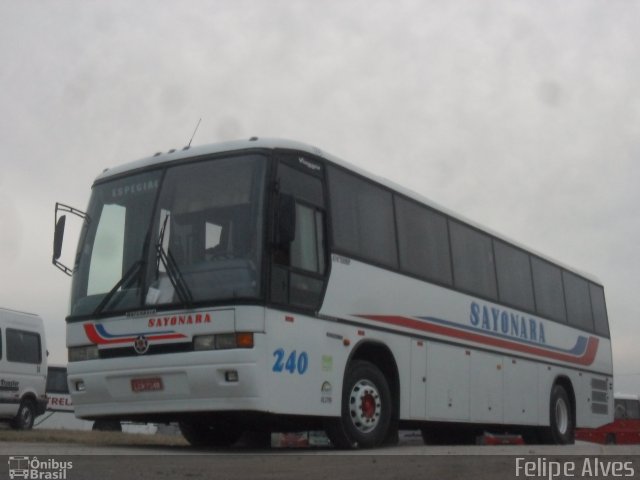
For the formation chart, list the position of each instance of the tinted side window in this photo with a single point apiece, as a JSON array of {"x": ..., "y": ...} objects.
[
  {"x": 363, "y": 222},
  {"x": 514, "y": 276},
  {"x": 23, "y": 347},
  {"x": 576, "y": 290},
  {"x": 473, "y": 267},
  {"x": 547, "y": 284},
  {"x": 300, "y": 184},
  {"x": 626, "y": 409},
  {"x": 599, "y": 308},
  {"x": 424, "y": 241}
]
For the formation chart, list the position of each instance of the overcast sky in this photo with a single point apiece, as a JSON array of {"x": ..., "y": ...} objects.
[{"x": 523, "y": 116}]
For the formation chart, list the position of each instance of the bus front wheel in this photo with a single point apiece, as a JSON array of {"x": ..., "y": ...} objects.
[{"x": 366, "y": 408}]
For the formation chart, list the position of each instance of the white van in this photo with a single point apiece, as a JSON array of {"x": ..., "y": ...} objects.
[{"x": 23, "y": 368}]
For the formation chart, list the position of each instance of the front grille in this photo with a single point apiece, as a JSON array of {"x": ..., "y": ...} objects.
[{"x": 153, "y": 350}]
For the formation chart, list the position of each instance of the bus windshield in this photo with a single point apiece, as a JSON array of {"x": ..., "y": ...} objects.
[{"x": 204, "y": 218}]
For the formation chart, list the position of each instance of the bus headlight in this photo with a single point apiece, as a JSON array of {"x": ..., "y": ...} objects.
[
  {"x": 223, "y": 341},
  {"x": 79, "y": 354}
]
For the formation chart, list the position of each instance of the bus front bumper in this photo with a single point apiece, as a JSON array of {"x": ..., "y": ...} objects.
[{"x": 195, "y": 382}]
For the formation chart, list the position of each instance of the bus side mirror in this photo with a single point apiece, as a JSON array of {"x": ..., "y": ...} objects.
[
  {"x": 58, "y": 234},
  {"x": 285, "y": 231},
  {"x": 58, "y": 237}
]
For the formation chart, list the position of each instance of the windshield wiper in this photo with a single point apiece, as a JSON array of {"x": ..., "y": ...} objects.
[
  {"x": 123, "y": 282},
  {"x": 171, "y": 267}
]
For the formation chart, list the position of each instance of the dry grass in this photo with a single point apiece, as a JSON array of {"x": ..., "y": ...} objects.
[{"x": 92, "y": 438}]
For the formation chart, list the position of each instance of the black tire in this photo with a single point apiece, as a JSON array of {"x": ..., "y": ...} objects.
[
  {"x": 366, "y": 409},
  {"x": 107, "y": 426},
  {"x": 209, "y": 435},
  {"x": 25, "y": 417},
  {"x": 561, "y": 429},
  {"x": 610, "y": 440}
]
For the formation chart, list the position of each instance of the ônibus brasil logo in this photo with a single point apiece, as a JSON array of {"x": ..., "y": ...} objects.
[{"x": 33, "y": 468}]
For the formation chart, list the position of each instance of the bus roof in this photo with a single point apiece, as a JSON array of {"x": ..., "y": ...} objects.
[{"x": 272, "y": 143}]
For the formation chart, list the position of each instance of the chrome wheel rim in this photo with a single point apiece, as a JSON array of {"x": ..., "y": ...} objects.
[
  {"x": 365, "y": 406},
  {"x": 562, "y": 416}
]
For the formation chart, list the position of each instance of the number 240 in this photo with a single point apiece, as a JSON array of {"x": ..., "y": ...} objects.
[{"x": 294, "y": 362}]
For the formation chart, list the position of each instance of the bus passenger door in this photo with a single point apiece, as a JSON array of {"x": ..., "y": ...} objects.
[{"x": 298, "y": 255}]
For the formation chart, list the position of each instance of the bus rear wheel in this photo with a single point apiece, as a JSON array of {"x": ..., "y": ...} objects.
[
  {"x": 209, "y": 435},
  {"x": 366, "y": 408},
  {"x": 561, "y": 429}
]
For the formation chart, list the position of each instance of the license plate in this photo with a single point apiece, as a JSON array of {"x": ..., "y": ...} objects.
[{"x": 146, "y": 384}]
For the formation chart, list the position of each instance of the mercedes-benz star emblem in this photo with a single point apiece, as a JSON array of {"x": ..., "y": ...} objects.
[{"x": 141, "y": 345}]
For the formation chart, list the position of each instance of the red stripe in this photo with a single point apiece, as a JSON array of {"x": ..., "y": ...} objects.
[{"x": 586, "y": 359}]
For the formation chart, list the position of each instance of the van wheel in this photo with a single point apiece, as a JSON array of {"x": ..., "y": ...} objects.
[
  {"x": 209, "y": 435},
  {"x": 366, "y": 408},
  {"x": 562, "y": 427},
  {"x": 25, "y": 417}
]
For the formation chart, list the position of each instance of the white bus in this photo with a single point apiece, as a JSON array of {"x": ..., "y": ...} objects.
[{"x": 267, "y": 285}]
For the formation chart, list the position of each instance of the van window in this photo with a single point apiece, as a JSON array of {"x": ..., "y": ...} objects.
[{"x": 23, "y": 347}]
